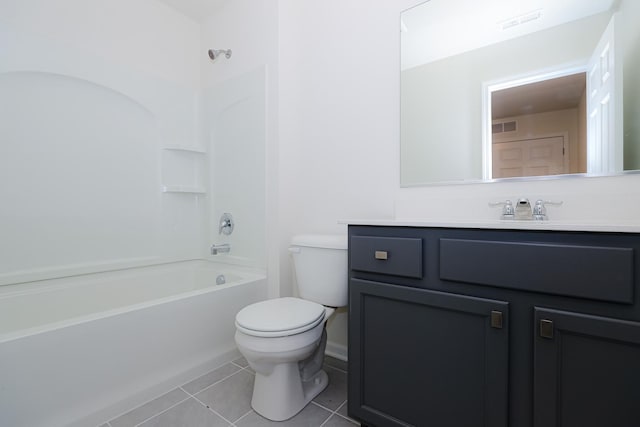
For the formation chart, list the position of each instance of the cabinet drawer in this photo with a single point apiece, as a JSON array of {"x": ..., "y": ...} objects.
[
  {"x": 387, "y": 255},
  {"x": 594, "y": 272}
]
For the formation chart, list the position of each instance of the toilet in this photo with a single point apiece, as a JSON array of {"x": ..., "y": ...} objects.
[{"x": 284, "y": 339}]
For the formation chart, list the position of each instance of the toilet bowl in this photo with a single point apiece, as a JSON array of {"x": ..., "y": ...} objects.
[{"x": 284, "y": 339}]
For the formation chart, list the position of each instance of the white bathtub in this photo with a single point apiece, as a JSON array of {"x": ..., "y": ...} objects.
[{"x": 79, "y": 350}]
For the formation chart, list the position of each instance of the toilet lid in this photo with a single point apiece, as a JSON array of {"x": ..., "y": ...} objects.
[{"x": 279, "y": 317}]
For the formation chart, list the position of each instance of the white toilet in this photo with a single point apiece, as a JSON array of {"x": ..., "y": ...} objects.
[{"x": 284, "y": 339}]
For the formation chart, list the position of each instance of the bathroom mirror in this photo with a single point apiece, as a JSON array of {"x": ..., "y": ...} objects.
[{"x": 501, "y": 90}]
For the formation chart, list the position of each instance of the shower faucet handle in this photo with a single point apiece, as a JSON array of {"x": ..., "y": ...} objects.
[{"x": 226, "y": 224}]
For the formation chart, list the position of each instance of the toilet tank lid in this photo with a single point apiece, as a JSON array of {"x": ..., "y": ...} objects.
[{"x": 328, "y": 241}]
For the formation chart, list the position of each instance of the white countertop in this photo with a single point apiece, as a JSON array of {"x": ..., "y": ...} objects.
[{"x": 502, "y": 224}]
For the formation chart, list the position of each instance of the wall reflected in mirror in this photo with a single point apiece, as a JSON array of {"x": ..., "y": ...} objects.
[{"x": 494, "y": 89}]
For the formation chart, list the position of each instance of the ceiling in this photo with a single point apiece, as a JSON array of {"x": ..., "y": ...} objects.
[
  {"x": 437, "y": 29},
  {"x": 198, "y": 10},
  {"x": 549, "y": 95}
]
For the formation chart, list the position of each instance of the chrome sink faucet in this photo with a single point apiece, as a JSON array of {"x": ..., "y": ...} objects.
[{"x": 523, "y": 210}]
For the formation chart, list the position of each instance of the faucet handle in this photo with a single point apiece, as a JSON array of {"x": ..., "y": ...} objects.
[
  {"x": 507, "y": 209},
  {"x": 540, "y": 210},
  {"x": 226, "y": 224},
  {"x": 549, "y": 202}
]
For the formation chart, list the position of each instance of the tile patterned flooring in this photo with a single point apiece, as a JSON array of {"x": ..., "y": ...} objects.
[{"x": 222, "y": 398}]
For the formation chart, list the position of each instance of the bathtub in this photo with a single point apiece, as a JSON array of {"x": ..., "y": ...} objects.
[{"x": 79, "y": 350}]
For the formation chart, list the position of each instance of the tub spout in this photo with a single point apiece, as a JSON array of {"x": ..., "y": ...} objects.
[{"x": 220, "y": 249}]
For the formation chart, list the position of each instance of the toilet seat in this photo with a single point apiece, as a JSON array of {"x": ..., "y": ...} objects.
[{"x": 279, "y": 317}]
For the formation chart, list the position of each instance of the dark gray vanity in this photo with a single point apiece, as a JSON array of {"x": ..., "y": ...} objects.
[{"x": 466, "y": 327}]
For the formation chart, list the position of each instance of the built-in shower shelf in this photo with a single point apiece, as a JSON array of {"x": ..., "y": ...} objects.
[
  {"x": 196, "y": 150},
  {"x": 183, "y": 189},
  {"x": 183, "y": 169}
]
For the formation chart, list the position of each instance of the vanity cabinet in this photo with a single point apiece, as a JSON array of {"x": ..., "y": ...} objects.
[{"x": 493, "y": 328}]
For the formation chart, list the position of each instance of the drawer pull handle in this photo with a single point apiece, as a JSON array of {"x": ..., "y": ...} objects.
[
  {"x": 381, "y": 255},
  {"x": 496, "y": 319},
  {"x": 546, "y": 328}
]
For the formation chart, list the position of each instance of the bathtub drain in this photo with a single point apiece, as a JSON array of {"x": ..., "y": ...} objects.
[{"x": 221, "y": 280}]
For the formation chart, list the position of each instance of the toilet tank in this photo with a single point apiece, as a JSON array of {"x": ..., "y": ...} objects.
[{"x": 320, "y": 263}]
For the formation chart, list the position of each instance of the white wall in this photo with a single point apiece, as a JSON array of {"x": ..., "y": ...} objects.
[
  {"x": 145, "y": 35},
  {"x": 92, "y": 93},
  {"x": 338, "y": 119}
]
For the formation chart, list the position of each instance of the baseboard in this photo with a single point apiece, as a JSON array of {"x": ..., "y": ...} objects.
[{"x": 336, "y": 350}]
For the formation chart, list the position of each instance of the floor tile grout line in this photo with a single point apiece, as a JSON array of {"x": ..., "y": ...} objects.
[
  {"x": 162, "y": 412},
  {"x": 248, "y": 369},
  {"x": 212, "y": 410},
  {"x": 141, "y": 405},
  {"x": 208, "y": 407},
  {"x": 327, "y": 419},
  {"x": 213, "y": 370},
  {"x": 237, "y": 364},
  {"x": 328, "y": 409},
  {"x": 212, "y": 384},
  {"x": 247, "y": 413},
  {"x": 189, "y": 395},
  {"x": 334, "y": 412},
  {"x": 352, "y": 421},
  {"x": 180, "y": 387}
]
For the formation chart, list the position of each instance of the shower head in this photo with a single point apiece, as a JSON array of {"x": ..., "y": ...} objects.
[{"x": 215, "y": 53}]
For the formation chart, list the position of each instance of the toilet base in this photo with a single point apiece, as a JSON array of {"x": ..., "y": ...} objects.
[{"x": 281, "y": 395}]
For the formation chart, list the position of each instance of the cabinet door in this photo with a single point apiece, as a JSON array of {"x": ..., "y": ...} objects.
[
  {"x": 586, "y": 370},
  {"x": 426, "y": 358}
]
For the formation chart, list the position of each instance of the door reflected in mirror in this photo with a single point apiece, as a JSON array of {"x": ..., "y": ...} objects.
[
  {"x": 497, "y": 90},
  {"x": 539, "y": 128}
]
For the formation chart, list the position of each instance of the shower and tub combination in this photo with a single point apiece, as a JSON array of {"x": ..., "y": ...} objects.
[{"x": 113, "y": 164}]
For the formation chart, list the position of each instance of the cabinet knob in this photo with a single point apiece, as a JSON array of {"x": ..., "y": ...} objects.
[{"x": 381, "y": 255}]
